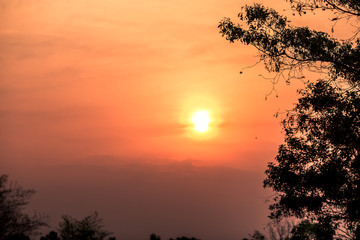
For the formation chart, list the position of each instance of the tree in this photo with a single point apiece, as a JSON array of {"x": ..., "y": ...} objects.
[
  {"x": 51, "y": 236},
  {"x": 280, "y": 230},
  {"x": 276, "y": 230},
  {"x": 89, "y": 228},
  {"x": 14, "y": 223},
  {"x": 316, "y": 173},
  {"x": 185, "y": 238},
  {"x": 288, "y": 49},
  {"x": 307, "y": 231},
  {"x": 154, "y": 237}
]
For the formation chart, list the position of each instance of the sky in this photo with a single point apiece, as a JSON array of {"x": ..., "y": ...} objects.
[{"x": 96, "y": 101}]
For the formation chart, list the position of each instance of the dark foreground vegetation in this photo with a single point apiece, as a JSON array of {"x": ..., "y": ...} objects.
[
  {"x": 17, "y": 225},
  {"x": 316, "y": 173}
]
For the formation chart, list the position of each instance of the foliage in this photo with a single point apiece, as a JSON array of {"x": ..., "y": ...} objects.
[
  {"x": 14, "y": 223},
  {"x": 316, "y": 172},
  {"x": 307, "y": 231},
  {"x": 280, "y": 230},
  {"x": 51, "y": 236},
  {"x": 89, "y": 228},
  {"x": 184, "y": 238},
  {"x": 343, "y": 9},
  {"x": 287, "y": 50},
  {"x": 277, "y": 230},
  {"x": 154, "y": 237}
]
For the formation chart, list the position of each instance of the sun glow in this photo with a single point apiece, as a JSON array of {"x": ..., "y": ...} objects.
[
  {"x": 201, "y": 121},
  {"x": 200, "y": 116}
]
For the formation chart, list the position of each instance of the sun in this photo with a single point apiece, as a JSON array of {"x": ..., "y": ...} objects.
[{"x": 201, "y": 120}]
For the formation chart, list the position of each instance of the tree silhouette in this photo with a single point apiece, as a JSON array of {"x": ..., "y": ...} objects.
[
  {"x": 287, "y": 50},
  {"x": 277, "y": 230},
  {"x": 307, "y": 231},
  {"x": 316, "y": 172},
  {"x": 154, "y": 237},
  {"x": 51, "y": 236},
  {"x": 14, "y": 223},
  {"x": 185, "y": 238},
  {"x": 89, "y": 228},
  {"x": 280, "y": 230}
]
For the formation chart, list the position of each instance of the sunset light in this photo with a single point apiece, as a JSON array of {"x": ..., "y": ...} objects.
[
  {"x": 161, "y": 117},
  {"x": 201, "y": 121}
]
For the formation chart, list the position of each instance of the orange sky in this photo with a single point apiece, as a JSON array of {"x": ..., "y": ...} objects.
[{"x": 111, "y": 85}]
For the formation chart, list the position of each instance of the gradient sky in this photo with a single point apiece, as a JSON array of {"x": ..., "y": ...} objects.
[{"x": 95, "y": 109}]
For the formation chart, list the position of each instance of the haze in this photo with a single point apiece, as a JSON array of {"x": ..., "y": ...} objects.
[{"x": 95, "y": 114}]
